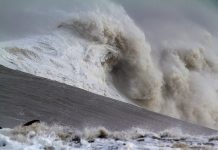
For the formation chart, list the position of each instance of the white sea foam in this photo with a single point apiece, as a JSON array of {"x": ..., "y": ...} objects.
[{"x": 41, "y": 136}]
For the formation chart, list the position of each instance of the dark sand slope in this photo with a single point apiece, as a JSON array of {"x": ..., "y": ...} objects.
[{"x": 24, "y": 97}]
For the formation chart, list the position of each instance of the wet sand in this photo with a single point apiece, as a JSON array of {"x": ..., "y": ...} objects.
[{"x": 24, "y": 97}]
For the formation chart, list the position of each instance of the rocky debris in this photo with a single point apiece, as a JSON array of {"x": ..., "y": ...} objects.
[
  {"x": 91, "y": 141},
  {"x": 140, "y": 139},
  {"x": 76, "y": 140}
]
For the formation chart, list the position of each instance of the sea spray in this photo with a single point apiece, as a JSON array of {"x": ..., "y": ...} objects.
[{"x": 102, "y": 50}]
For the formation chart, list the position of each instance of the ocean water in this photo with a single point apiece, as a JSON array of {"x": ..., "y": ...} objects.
[
  {"x": 158, "y": 55},
  {"x": 41, "y": 136}
]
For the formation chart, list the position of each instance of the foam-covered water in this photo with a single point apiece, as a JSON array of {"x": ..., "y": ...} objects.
[
  {"x": 41, "y": 136},
  {"x": 101, "y": 49}
]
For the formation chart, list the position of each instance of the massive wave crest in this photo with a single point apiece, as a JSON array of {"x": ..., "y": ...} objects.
[{"x": 106, "y": 53}]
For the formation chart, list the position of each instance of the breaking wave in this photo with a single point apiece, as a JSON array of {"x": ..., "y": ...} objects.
[{"x": 106, "y": 53}]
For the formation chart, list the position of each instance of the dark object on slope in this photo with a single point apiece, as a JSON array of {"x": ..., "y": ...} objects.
[{"x": 31, "y": 122}]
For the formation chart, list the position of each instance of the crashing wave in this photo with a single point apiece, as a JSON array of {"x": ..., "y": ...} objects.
[{"x": 106, "y": 53}]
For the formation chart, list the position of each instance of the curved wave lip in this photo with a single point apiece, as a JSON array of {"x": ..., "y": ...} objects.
[{"x": 105, "y": 52}]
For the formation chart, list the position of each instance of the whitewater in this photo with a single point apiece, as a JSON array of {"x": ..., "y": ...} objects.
[
  {"x": 164, "y": 61},
  {"x": 42, "y": 136}
]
